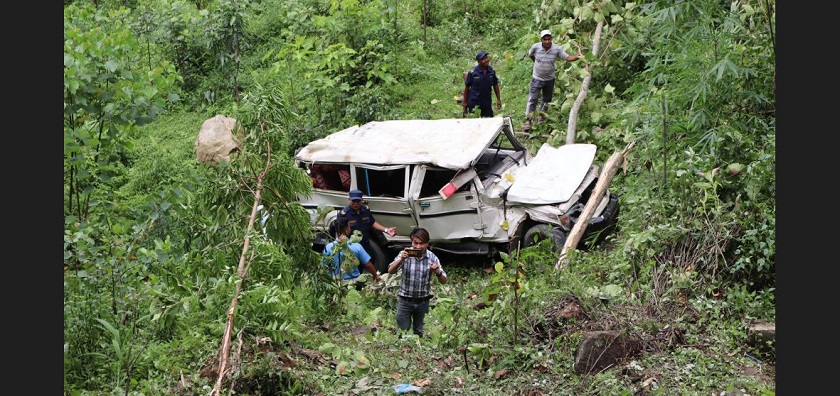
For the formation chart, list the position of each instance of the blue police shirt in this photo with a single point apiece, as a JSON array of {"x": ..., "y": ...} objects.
[
  {"x": 362, "y": 221},
  {"x": 481, "y": 85}
]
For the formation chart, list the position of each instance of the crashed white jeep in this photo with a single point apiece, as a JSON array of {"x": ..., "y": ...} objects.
[{"x": 468, "y": 181}]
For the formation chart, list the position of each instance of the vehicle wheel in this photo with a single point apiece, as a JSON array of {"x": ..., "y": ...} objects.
[
  {"x": 596, "y": 235},
  {"x": 380, "y": 260},
  {"x": 320, "y": 241},
  {"x": 541, "y": 232}
]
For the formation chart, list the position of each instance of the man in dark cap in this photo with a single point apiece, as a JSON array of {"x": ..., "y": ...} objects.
[
  {"x": 477, "y": 85},
  {"x": 360, "y": 218}
]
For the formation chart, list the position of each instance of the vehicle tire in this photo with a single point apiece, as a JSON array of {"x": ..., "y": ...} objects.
[
  {"x": 320, "y": 241},
  {"x": 596, "y": 234},
  {"x": 380, "y": 260},
  {"x": 541, "y": 232}
]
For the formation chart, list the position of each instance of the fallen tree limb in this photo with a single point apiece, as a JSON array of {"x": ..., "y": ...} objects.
[
  {"x": 607, "y": 174},
  {"x": 241, "y": 272},
  {"x": 584, "y": 87}
]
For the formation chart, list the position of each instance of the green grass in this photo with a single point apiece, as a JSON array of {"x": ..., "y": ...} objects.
[{"x": 469, "y": 351}]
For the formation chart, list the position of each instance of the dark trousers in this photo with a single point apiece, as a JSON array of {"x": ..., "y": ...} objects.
[
  {"x": 486, "y": 107},
  {"x": 539, "y": 88},
  {"x": 412, "y": 314}
]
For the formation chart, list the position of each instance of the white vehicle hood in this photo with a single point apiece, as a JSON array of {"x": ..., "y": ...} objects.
[
  {"x": 553, "y": 175},
  {"x": 447, "y": 143}
]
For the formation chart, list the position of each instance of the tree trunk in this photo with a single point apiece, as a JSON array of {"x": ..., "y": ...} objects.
[
  {"x": 607, "y": 174},
  {"x": 241, "y": 271},
  {"x": 584, "y": 87},
  {"x": 425, "y": 12}
]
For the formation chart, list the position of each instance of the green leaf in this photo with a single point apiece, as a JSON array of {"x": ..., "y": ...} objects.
[
  {"x": 330, "y": 349},
  {"x": 735, "y": 168},
  {"x": 111, "y": 66},
  {"x": 612, "y": 290},
  {"x": 343, "y": 368},
  {"x": 476, "y": 347},
  {"x": 361, "y": 363},
  {"x": 107, "y": 326}
]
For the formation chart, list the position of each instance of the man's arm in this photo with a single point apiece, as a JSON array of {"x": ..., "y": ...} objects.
[
  {"x": 465, "y": 98},
  {"x": 437, "y": 269},
  {"x": 363, "y": 257},
  {"x": 498, "y": 96},
  {"x": 466, "y": 94},
  {"x": 370, "y": 268},
  {"x": 379, "y": 227},
  {"x": 573, "y": 58}
]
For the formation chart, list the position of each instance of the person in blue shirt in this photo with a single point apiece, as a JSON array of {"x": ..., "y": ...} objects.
[
  {"x": 478, "y": 83},
  {"x": 341, "y": 230},
  {"x": 418, "y": 265}
]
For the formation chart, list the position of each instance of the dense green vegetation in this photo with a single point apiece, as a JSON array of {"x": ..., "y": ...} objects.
[{"x": 153, "y": 240}]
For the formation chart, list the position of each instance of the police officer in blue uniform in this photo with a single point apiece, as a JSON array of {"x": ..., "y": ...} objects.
[
  {"x": 478, "y": 83},
  {"x": 360, "y": 218}
]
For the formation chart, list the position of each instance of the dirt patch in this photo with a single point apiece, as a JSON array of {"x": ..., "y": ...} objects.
[
  {"x": 658, "y": 328},
  {"x": 271, "y": 367}
]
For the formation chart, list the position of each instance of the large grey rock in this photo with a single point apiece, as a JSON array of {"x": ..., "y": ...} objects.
[
  {"x": 603, "y": 349},
  {"x": 217, "y": 140}
]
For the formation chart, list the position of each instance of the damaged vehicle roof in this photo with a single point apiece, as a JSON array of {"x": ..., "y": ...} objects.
[{"x": 447, "y": 143}]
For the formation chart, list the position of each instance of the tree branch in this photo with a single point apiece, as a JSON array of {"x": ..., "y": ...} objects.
[
  {"x": 584, "y": 87},
  {"x": 607, "y": 174},
  {"x": 241, "y": 272}
]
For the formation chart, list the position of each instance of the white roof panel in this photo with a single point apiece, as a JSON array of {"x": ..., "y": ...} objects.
[
  {"x": 553, "y": 174},
  {"x": 448, "y": 143}
]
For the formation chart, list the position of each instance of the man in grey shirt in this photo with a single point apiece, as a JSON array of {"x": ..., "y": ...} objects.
[{"x": 544, "y": 54}]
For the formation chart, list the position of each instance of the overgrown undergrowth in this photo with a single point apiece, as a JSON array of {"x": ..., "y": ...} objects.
[{"x": 152, "y": 239}]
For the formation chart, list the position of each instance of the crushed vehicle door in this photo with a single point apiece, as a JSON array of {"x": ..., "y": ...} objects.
[
  {"x": 385, "y": 188},
  {"x": 446, "y": 203}
]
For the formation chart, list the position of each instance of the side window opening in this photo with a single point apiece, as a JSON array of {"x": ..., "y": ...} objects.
[
  {"x": 495, "y": 157},
  {"x": 435, "y": 179},
  {"x": 495, "y": 169},
  {"x": 489, "y": 159},
  {"x": 330, "y": 177},
  {"x": 381, "y": 183}
]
